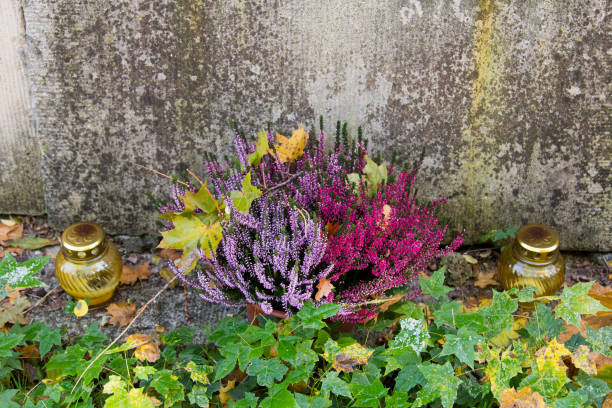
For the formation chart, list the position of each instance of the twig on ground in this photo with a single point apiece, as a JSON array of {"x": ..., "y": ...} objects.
[
  {"x": 279, "y": 185},
  {"x": 142, "y": 309},
  {"x": 42, "y": 299},
  {"x": 161, "y": 174}
]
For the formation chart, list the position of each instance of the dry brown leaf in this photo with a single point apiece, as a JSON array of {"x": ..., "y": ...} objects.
[
  {"x": 324, "y": 288},
  {"x": 486, "y": 279},
  {"x": 149, "y": 352},
  {"x": 608, "y": 402},
  {"x": 11, "y": 231},
  {"x": 331, "y": 228},
  {"x": 121, "y": 313},
  {"x": 169, "y": 254},
  {"x": 154, "y": 401},
  {"x": 30, "y": 351},
  {"x": 524, "y": 398},
  {"x": 602, "y": 293},
  {"x": 11, "y": 311},
  {"x": 393, "y": 300},
  {"x": 224, "y": 397},
  {"x": 130, "y": 275}
]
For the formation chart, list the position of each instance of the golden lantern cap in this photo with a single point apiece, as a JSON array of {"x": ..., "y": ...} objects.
[
  {"x": 537, "y": 238},
  {"x": 82, "y": 237}
]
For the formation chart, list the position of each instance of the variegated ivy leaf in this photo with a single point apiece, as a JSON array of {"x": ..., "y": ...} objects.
[
  {"x": 413, "y": 334},
  {"x": 575, "y": 301},
  {"x": 20, "y": 275}
]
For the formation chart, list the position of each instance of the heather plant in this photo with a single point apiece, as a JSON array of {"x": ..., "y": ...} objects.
[
  {"x": 270, "y": 257},
  {"x": 385, "y": 239}
]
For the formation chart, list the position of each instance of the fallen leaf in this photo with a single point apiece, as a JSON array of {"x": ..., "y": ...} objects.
[
  {"x": 81, "y": 308},
  {"x": 32, "y": 242},
  {"x": 147, "y": 349},
  {"x": 392, "y": 300},
  {"x": 289, "y": 149},
  {"x": 351, "y": 356},
  {"x": 470, "y": 259},
  {"x": 325, "y": 287},
  {"x": 524, "y": 398},
  {"x": 10, "y": 232},
  {"x": 121, "y": 313},
  {"x": 168, "y": 276},
  {"x": 169, "y": 254},
  {"x": 608, "y": 402},
  {"x": 224, "y": 397},
  {"x": 13, "y": 312},
  {"x": 130, "y": 275},
  {"x": 486, "y": 279},
  {"x": 602, "y": 293},
  {"x": 30, "y": 351},
  {"x": 14, "y": 251},
  {"x": 154, "y": 401},
  {"x": 9, "y": 222},
  {"x": 331, "y": 228}
]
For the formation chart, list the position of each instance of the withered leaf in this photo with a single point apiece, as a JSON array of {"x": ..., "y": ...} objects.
[
  {"x": 324, "y": 288},
  {"x": 130, "y": 275},
  {"x": 602, "y": 293},
  {"x": 11, "y": 231},
  {"x": 392, "y": 300},
  {"x": 486, "y": 279},
  {"x": 524, "y": 398},
  {"x": 121, "y": 313},
  {"x": 289, "y": 149},
  {"x": 147, "y": 349}
]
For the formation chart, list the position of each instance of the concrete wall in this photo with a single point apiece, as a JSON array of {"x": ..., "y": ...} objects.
[{"x": 511, "y": 99}]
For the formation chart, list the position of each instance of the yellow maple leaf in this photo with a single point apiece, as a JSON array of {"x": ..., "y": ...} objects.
[
  {"x": 289, "y": 149},
  {"x": 524, "y": 398}
]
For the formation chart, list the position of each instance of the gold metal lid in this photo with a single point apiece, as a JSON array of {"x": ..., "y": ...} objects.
[
  {"x": 537, "y": 238},
  {"x": 83, "y": 239}
]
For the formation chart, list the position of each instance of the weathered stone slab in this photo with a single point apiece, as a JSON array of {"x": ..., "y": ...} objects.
[
  {"x": 510, "y": 99},
  {"x": 21, "y": 189}
]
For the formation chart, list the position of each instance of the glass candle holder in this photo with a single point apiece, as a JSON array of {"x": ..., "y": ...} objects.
[
  {"x": 88, "y": 265},
  {"x": 533, "y": 259}
]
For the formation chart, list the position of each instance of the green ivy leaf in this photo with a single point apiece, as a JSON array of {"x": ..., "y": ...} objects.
[
  {"x": 312, "y": 318},
  {"x": 462, "y": 345},
  {"x": 600, "y": 340},
  {"x": 198, "y": 397},
  {"x": 6, "y": 398},
  {"x": 413, "y": 335},
  {"x": 399, "y": 358},
  {"x": 368, "y": 395},
  {"x": 135, "y": 398},
  {"x": 249, "y": 401},
  {"x": 143, "y": 372},
  {"x": 224, "y": 367},
  {"x": 286, "y": 348},
  {"x": 69, "y": 362},
  {"x": 575, "y": 301},
  {"x": 304, "y": 401},
  {"x": 182, "y": 335},
  {"x": 7, "y": 342},
  {"x": 440, "y": 382},
  {"x": 228, "y": 331},
  {"x": 399, "y": 399},
  {"x": 20, "y": 275},
  {"x": 267, "y": 371},
  {"x": 92, "y": 336},
  {"x": 498, "y": 317},
  {"x": 168, "y": 386},
  {"x": 261, "y": 149},
  {"x": 41, "y": 333},
  {"x": 572, "y": 400},
  {"x": 543, "y": 324},
  {"x": 279, "y": 397},
  {"x": 434, "y": 286},
  {"x": 332, "y": 383},
  {"x": 409, "y": 377},
  {"x": 593, "y": 388},
  {"x": 243, "y": 199}
]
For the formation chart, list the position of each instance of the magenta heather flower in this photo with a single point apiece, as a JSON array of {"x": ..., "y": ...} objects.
[{"x": 384, "y": 242}]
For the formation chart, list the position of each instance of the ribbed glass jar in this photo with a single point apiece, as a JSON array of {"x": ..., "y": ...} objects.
[
  {"x": 533, "y": 259},
  {"x": 88, "y": 265}
]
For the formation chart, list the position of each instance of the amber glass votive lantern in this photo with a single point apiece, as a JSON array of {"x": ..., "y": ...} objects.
[
  {"x": 533, "y": 259},
  {"x": 88, "y": 265}
]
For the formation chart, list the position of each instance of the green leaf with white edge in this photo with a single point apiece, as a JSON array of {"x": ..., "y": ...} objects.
[
  {"x": 191, "y": 233},
  {"x": 267, "y": 371},
  {"x": 500, "y": 372},
  {"x": 333, "y": 383},
  {"x": 261, "y": 149},
  {"x": 462, "y": 345},
  {"x": 368, "y": 395},
  {"x": 312, "y": 318},
  {"x": 143, "y": 372},
  {"x": 440, "y": 382},
  {"x": 7, "y": 342},
  {"x": 21, "y": 275},
  {"x": 244, "y": 198},
  {"x": 575, "y": 302},
  {"x": 434, "y": 286},
  {"x": 6, "y": 399},
  {"x": 249, "y": 401},
  {"x": 279, "y": 397},
  {"x": 168, "y": 386},
  {"x": 318, "y": 401},
  {"x": 600, "y": 340},
  {"x": 198, "y": 396},
  {"x": 413, "y": 335}
]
